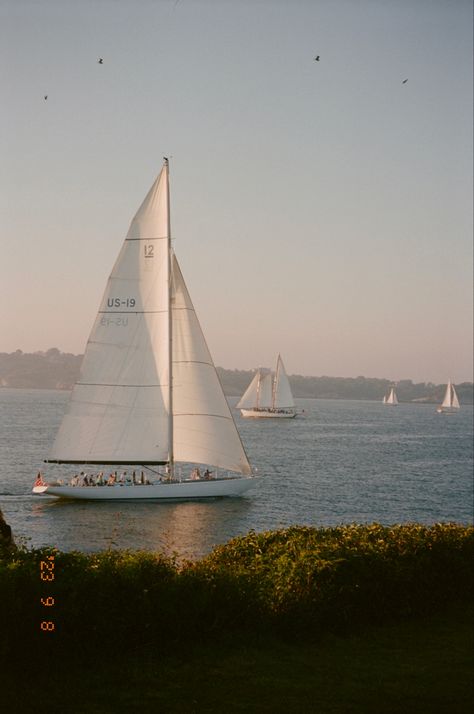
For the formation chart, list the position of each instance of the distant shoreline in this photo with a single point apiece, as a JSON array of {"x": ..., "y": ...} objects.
[
  {"x": 425, "y": 400},
  {"x": 59, "y": 371}
]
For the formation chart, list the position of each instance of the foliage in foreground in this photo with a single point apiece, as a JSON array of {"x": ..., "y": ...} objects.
[{"x": 293, "y": 582}]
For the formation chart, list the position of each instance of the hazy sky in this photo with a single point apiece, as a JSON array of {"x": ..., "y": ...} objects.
[{"x": 320, "y": 209}]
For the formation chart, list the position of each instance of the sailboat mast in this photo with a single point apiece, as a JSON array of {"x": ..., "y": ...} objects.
[
  {"x": 170, "y": 329},
  {"x": 275, "y": 382}
]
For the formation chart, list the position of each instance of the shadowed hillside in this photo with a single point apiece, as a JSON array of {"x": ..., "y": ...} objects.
[{"x": 59, "y": 370}]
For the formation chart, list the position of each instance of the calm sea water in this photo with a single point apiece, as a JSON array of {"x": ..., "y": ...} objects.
[{"x": 341, "y": 462}]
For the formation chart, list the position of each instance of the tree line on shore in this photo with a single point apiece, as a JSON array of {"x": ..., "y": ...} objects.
[{"x": 54, "y": 369}]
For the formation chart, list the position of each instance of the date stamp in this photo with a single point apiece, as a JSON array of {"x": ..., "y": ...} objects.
[{"x": 47, "y": 575}]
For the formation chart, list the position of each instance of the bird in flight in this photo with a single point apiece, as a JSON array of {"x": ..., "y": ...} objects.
[
  {"x": 100, "y": 60},
  {"x": 316, "y": 59},
  {"x": 405, "y": 81}
]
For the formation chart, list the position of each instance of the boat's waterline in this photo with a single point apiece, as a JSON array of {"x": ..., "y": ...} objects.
[
  {"x": 188, "y": 490},
  {"x": 263, "y": 414}
]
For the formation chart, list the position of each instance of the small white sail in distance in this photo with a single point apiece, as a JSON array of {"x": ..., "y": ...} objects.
[
  {"x": 391, "y": 399},
  {"x": 450, "y": 400}
]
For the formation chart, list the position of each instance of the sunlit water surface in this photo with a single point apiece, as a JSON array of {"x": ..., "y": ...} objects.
[{"x": 339, "y": 462}]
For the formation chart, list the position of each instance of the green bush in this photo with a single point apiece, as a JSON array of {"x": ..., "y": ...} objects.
[{"x": 296, "y": 582}]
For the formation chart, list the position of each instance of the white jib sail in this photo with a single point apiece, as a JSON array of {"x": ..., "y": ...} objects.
[
  {"x": 249, "y": 397},
  {"x": 455, "y": 403},
  {"x": 204, "y": 429},
  {"x": 447, "y": 396},
  {"x": 283, "y": 398}
]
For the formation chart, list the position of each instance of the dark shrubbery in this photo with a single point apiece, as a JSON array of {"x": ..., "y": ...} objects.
[{"x": 295, "y": 582}]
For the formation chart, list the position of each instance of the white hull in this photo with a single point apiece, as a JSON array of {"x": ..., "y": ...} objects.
[
  {"x": 214, "y": 488},
  {"x": 263, "y": 413},
  {"x": 447, "y": 410}
]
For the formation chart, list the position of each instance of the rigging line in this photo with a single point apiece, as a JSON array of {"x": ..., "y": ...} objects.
[
  {"x": 147, "y": 239},
  {"x": 104, "y": 384},
  {"x": 201, "y": 414},
  {"x": 192, "y": 361},
  {"x": 105, "y": 462},
  {"x": 153, "y": 471}
]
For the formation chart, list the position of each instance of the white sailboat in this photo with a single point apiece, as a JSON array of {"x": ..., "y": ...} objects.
[
  {"x": 268, "y": 395},
  {"x": 450, "y": 403},
  {"x": 391, "y": 400},
  {"x": 148, "y": 395}
]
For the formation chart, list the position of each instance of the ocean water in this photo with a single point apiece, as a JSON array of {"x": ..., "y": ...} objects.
[{"x": 339, "y": 462}]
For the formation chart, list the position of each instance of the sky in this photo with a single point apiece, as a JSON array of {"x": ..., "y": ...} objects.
[{"x": 322, "y": 210}]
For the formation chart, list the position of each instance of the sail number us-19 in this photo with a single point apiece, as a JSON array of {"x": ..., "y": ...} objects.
[{"x": 121, "y": 302}]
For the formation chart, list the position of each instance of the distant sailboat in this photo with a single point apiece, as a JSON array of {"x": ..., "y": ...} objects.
[
  {"x": 391, "y": 400},
  {"x": 268, "y": 395},
  {"x": 148, "y": 395},
  {"x": 450, "y": 403}
]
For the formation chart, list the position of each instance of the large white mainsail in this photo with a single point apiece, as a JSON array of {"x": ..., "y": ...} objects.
[
  {"x": 148, "y": 391},
  {"x": 118, "y": 412}
]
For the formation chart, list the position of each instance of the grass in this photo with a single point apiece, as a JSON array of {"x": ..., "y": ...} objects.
[{"x": 422, "y": 666}]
